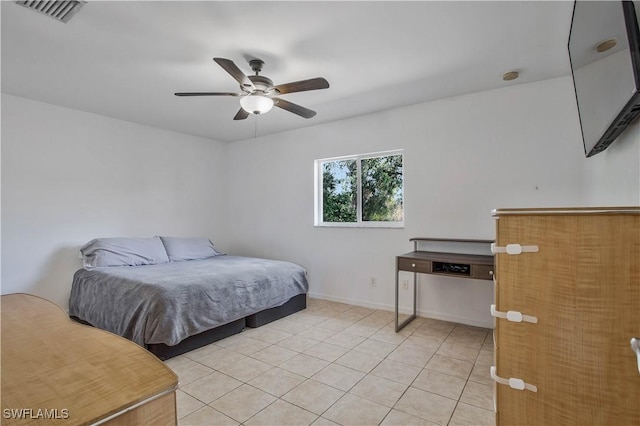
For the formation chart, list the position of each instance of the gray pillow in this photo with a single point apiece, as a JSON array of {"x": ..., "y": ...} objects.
[
  {"x": 123, "y": 252},
  {"x": 179, "y": 248}
]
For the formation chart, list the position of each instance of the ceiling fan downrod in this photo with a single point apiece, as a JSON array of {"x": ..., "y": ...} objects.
[{"x": 256, "y": 65}]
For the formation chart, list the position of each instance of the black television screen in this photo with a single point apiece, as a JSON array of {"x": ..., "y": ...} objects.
[{"x": 604, "y": 50}]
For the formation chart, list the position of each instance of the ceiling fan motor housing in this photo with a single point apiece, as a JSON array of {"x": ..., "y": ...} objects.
[{"x": 262, "y": 84}]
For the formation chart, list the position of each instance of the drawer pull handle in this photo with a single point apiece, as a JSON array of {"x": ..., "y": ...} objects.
[
  {"x": 513, "y": 383},
  {"x": 495, "y": 399},
  {"x": 413, "y": 265},
  {"x": 635, "y": 346},
  {"x": 513, "y": 316},
  {"x": 513, "y": 249}
]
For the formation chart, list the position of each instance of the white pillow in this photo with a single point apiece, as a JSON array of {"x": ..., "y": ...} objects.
[
  {"x": 181, "y": 248},
  {"x": 102, "y": 252}
]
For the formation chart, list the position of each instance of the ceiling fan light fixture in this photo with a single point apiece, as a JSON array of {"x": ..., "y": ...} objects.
[{"x": 256, "y": 104}]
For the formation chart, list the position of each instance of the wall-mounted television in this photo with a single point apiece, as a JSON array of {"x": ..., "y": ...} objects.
[{"x": 604, "y": 50}]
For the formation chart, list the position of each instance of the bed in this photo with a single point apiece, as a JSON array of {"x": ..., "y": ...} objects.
[{"x": 175, "y": 302}]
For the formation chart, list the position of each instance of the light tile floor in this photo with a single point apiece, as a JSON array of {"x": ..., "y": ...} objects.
[{"x": 337, "y": 364}]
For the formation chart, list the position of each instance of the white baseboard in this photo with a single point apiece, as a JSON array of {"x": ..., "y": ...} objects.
[{"x": 405, "y": 310}]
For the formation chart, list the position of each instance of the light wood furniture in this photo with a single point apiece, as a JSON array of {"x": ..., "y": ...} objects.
[
  {"x": 575, "y": 286},
  {"x": 440, "y": 263},
  {"x": 56, "y": 370}
]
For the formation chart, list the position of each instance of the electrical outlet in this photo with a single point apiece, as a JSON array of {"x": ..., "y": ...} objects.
[
  {"x": 372, "y": 282},
  {"x": 405, "y": 285}
]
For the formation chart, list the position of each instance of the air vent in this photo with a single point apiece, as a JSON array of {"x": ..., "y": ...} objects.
[{"x": 59, "y": 10}]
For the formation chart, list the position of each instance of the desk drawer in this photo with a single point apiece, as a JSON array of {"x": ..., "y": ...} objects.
[
  {"x": 414, "y": 265},
  {"x": 482, "y": 272}
]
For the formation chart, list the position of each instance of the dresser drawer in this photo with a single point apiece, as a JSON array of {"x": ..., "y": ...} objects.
[{"x": 414, "y": 265}]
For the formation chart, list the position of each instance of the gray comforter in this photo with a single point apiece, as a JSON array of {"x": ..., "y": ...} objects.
[{"x": 169, "y": 302}]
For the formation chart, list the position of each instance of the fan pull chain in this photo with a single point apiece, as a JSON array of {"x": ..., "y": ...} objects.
[{"x": 255, "y": 126}]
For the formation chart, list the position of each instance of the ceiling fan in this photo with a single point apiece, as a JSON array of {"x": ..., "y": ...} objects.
[{"x": 257, "y": 92}]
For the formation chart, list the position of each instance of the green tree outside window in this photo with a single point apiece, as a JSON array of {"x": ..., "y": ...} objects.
[{"x": 373, "y": 185}]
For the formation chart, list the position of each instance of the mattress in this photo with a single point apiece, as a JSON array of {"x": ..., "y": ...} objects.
[{"x": 166, "y": 303}]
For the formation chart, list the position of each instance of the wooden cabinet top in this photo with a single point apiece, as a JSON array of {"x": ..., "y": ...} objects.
[{"x": 52, "y": 363}]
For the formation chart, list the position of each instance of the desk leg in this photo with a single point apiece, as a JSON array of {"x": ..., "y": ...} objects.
[
  {"x": 413, "y": 316},
  {"x": 415, "y": 293}
]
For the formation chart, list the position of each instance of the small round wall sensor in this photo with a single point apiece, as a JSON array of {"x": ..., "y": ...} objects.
[
  {"x": 510, "y": 75},
  {"x": 606, "y": 45}
]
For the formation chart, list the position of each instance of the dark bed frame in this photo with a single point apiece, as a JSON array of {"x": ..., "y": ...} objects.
[{"x": 164, "y": 352}]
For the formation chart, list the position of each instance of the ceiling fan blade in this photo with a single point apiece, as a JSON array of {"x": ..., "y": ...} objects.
[
  {"x": 294, "y": 108},
  {"x": 303, "y": 85},
  {"x": 206, "y": 94},
  {"x": 241, "y": 114},
  {"x": 235, "y": 72}
]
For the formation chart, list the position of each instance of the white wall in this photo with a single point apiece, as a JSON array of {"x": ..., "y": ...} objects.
[
  {"x": 514, "y": 147},
  {"x": 613, "y": 176},
  {"x": 70, "y": 176}
]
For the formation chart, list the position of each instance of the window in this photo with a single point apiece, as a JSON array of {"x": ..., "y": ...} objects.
[{"x": 360, "y": 190}]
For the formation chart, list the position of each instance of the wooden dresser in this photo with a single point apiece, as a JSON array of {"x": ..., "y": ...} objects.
[
  {"x": 567, "y": 303},
  {"x": 57, "y": 371}
]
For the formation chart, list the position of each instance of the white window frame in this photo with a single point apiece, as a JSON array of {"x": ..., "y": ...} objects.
[{"x": 318, "y": 207}]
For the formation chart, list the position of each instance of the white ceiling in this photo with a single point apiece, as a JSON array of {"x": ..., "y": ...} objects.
[{"x": 125, "y": 59}]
